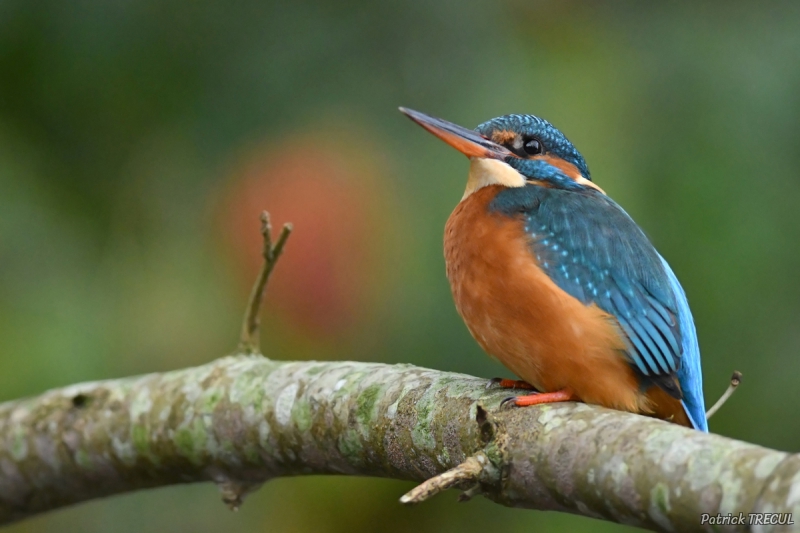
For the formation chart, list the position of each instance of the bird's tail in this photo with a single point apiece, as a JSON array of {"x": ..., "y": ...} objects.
[{"x": 695, "y": 425}]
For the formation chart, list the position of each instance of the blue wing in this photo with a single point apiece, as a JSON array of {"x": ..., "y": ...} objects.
[
  {"x": 690, "y": 375},
  {"x": 594, "y": 251}
]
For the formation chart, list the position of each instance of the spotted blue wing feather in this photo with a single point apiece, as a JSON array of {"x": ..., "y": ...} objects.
[{"x": 594, "y": 251}]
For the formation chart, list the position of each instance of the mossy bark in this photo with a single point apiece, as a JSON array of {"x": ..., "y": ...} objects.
[{"x": 242, "y": 420}]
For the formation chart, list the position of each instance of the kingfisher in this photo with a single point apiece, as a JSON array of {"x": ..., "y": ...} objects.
[{"x": 557, "y": 282}]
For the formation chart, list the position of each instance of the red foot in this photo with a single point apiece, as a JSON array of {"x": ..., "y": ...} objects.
[{"x": 563, "y": 395}]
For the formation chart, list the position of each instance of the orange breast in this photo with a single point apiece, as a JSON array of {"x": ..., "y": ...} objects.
[{"x": 521, "y": 317}]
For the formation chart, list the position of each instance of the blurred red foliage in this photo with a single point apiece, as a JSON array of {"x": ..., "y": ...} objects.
[{"x": 322, "y": 282}]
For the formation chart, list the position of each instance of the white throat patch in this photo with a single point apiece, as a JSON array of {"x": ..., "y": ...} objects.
[{"x": 484, "y": 172}]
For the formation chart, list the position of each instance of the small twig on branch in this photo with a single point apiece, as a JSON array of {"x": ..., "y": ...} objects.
[
  {"x": 736, "y": 379},
  {"x": 468, "y": 471},
  {"x": 249, "y": 341}
]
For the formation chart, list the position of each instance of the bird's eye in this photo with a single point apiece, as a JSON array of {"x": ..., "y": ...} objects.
[{"x": 533, "y": 147}]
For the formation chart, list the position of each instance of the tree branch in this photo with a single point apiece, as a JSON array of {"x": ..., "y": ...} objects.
[{"x": 242, "y": 420}]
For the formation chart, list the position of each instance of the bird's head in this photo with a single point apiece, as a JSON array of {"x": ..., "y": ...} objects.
[{"x": 513, "y": 151}]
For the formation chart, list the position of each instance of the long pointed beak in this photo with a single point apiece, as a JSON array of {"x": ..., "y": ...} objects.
[{"x": 468, "y": 142}]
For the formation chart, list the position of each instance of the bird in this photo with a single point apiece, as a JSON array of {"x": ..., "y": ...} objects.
[{"x": 558, "y": 283}]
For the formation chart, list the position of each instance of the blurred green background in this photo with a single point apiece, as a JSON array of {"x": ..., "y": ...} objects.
[{"x": 140, "y": 140}]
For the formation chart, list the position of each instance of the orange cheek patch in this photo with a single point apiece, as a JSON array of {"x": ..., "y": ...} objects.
[
  {"x": 564, "y": 166},
  {"x": 570, "y": 170},
  {"x": 503, "y": 136}
]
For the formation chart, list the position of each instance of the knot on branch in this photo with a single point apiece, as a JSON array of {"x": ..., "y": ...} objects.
[{"x": 233, "y": 491}]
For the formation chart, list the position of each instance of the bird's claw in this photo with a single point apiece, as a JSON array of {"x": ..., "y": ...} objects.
[
  {"x": 510, "y": 399},
  {"x": 492, "y": 382}
]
